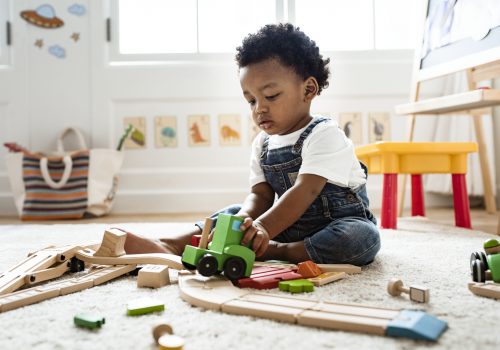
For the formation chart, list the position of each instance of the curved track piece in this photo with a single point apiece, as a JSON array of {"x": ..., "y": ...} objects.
[
  {"x": 172, "y": 261},
  {"x": 489, "y": 289},
  {"x": 218, "y": 293}
]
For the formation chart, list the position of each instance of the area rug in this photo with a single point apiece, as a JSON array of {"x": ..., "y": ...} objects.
[{"x": 419, "y": 252}]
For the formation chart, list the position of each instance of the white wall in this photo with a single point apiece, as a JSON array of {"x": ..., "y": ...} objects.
[{"x": 40, "y": 94}]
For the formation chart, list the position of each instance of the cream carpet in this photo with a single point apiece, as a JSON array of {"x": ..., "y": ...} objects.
[{"x": 419, "y": 252}]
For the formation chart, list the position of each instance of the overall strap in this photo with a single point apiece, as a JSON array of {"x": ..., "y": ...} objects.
[
  {"x": 297, "y": 147},
  {"x": 263, "y": 152}
]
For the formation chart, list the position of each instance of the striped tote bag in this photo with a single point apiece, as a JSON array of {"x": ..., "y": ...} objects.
[
  {"x": 55, "y": 187},
  {"x": 64, "y": 185}
]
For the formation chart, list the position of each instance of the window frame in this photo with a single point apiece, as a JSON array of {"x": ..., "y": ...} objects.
[{"x": 285, "y": 11}]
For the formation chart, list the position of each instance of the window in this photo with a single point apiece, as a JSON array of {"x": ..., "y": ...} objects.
[
  {"x": 162, "y": 29},
  {"x": 4, "y": 33}
]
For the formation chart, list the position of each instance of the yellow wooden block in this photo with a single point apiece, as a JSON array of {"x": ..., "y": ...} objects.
[{"x": 416, "y": 157}]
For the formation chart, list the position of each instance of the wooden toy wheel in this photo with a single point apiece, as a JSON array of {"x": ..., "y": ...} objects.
[
  {"x": 479, "y": 256},
  {"x": 394, "y": 287},
  {"x": 207, "y": 265},
  {"x": 478, "y": 271},
  {"x": 235, "y": 268}
]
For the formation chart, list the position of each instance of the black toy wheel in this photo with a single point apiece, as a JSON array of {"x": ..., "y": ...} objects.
[
  {"x": 478, "y": 271},
  {"x": 188, "y": 266},
  {"x": 207, "y": 265},
  {"x": 479, "y": 256},
  {"x": 76, "y": 265},
  {"x": 235, "y": 268}
]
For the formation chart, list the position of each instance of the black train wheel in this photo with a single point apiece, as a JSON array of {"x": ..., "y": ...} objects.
[
  {"x": 235, "y": 268},
  {"x": 207, "y": 265}
]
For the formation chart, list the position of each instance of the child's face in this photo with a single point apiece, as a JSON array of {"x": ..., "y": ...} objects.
[{"x": 277, "y": 97}]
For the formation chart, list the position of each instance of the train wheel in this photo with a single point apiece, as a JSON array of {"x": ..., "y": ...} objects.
[
  {"x": 478, "y": 271},
  {"x": 480, "y": 256},
  {"x": 207, "y": 265},
  {"x": 235, "y": 268},
  {"x": 188, "y": 266}
]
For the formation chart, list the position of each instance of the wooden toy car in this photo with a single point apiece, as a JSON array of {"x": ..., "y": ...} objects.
[
  {"x": 224, "y": 253},
  {"x": 486, "y": 266}
]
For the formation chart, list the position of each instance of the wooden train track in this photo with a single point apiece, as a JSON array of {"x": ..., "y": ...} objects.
[{"x": 218, "y": 293}]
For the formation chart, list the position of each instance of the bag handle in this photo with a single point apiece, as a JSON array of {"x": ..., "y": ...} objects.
[
  {"x": 79, "y": 137},
  {"x": 68, "y": 166}
]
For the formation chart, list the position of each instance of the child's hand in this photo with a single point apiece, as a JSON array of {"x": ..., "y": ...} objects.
[{"x": 259, "y": 236}]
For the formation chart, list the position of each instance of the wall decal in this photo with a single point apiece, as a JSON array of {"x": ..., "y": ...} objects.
[
  {"x": 166, "y": 131},
  {"x": 379, "y": 127},
  {"x": 137, "y": 139},
  {"x": 230, "y": 129},
  {"x": 57, "y": 51},
  {"x": 199, "y": 130},
  {"x": 75, "y": 36},
  {"x": 351, "y": 124},
  {"x": 39, "y": 43},
  {"x": 77, "y": 10},
  {"x": 43, "y": 16}
]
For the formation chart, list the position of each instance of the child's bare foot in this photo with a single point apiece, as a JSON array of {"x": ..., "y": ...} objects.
[
  {"x": 293, "y": 252},
  {"x": 135, "y": 244}
]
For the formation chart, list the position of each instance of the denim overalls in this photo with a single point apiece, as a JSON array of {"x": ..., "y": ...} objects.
[{"x": 337, "y": 227}]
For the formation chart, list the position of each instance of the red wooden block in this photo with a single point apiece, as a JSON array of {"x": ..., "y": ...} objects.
[
  {"x": 195, "y": 240},
  {"x": 309, "y": 269},
  {"x": 266, "y": 277}
]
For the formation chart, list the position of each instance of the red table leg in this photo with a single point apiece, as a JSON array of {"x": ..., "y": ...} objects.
[
  {"x": 460, "y": 201},
  {"x": 389, "y": 213},
  {"x": 417, "y": 195}
]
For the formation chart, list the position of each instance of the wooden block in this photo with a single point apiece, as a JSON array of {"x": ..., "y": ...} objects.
[
  {"x": 327, "y": 277},
  {"x": 296, "y": 286},
  {"x": 154, "y": 276},
  {"x": 89, "y": 321},
  {"x": 263, "y": 277},
  {"x": 195, "y": 240},
  {"x": 144, "y": 306},
  {"x": 309, "y": 269},
  {"x": 347, "y": 268},
  {"x": 419, "y": 294},
  {"x": 113, "y": 243}
]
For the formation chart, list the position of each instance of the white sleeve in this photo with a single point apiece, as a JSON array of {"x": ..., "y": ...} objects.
[
  {"x": 327, "y": 152},
  {"x": 256, "y": 173}
]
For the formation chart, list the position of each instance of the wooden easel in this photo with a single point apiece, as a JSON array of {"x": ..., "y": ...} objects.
[{"x": 481, "y": 65}]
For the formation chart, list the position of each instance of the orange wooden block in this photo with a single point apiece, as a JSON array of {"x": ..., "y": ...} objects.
[{"x": 309, "y": 269}]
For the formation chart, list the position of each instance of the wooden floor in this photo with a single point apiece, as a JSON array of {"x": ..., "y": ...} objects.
[{"x": 480, "y": 219}]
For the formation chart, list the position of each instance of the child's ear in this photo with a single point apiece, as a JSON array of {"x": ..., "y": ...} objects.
[{"x": 311, "y": 88}]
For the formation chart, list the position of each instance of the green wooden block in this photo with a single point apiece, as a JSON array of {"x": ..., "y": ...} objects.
[
  {"x": 89, "y": 321},
  {"x": 296, "y": 286},
  {"x": 144, "y": 306}
]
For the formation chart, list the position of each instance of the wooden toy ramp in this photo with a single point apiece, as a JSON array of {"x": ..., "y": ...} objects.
[{"x": 218, "y": 293}]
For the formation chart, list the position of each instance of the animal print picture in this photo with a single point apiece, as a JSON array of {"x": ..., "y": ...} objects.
[
  {"x": 199, "y": 130},
  {"x": 165, "y": 132},
  {"x": 229, "y": 129},
  {"x": 351, "y": 124},
  {"x": 379, "y": 126}
]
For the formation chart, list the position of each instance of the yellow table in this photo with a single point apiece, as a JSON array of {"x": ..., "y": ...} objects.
[{"x": 417, "y": 158}]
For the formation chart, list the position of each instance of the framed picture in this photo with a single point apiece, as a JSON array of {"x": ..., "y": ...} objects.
[
  {"x": 199, "y": 130},
  {"x": 165, "y": 131},
  {"x": 137, "y": 136},
  {"x": 379, "y": 126},
  {"x": 230, "y": 129},
  {"x": 351, "y": 124}
]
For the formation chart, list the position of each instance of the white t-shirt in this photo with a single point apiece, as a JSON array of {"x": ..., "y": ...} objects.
[{"x": 326, "y": 152}]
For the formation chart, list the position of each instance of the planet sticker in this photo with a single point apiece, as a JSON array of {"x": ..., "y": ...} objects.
[{"x": 43, "y": 16}]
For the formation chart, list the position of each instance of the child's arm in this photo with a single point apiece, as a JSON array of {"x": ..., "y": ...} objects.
[
  {"x": 258, "y": 201},
  {"x": 288, "y": 209}
]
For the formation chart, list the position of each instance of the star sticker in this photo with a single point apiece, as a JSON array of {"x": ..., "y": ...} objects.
[
  {"x": 39, "y": 43},
  {"x": 75, "y": 37}
]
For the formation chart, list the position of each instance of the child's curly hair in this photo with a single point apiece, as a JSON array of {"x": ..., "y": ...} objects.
[{"x": 290, "y": 46}]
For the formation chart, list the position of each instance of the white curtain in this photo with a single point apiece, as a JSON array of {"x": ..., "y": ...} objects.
[{"x": 460, "y": 128}]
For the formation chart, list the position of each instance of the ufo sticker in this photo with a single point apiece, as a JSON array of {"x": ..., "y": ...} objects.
[{"x": 44, "y": 16}]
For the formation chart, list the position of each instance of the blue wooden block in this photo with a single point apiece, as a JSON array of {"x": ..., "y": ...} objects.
[{"x": 416, "y": 325}]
